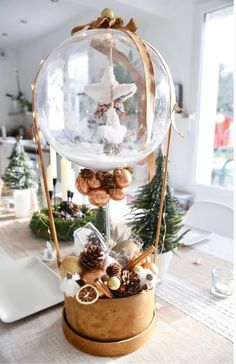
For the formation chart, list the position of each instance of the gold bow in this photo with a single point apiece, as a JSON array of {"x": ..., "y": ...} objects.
[{"x": 104, "y": 22}]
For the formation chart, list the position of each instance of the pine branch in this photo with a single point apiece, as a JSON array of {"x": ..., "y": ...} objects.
[{"x": 145, "y": 212}]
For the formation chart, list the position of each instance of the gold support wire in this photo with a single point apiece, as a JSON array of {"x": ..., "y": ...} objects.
[
  {"x": 163, "y": 193},
  {"x": 42, "y": 164}
]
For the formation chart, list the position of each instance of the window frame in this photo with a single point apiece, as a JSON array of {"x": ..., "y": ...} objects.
[{"x": 212, "y": 192}]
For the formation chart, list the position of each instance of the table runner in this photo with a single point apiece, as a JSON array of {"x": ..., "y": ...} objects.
[{"x": 217, "y": 314}]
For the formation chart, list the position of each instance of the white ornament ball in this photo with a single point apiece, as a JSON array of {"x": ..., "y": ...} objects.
[{"x": 114, "y": 283}]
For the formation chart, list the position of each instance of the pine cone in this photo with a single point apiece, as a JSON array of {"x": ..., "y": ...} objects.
[
  {"x": 108, "y": 181},
  {"x": 86, "y": 173},
  {"x": 73, "y": 209},
  {"x": 113, "y": 269},
  {"x": 130, "y": 283},
  {"x": 92, "y": 257}
]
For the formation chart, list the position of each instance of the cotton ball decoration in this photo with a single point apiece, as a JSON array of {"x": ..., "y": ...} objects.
[
  {"x": 68, "y": 284},
  {"x": 147, "y": 278},
  {"x": 152, "y": 266}
]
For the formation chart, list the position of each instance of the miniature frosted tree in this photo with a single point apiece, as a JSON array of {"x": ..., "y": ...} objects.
[
  {"x": 145, "y": 211},
  {"x": 20, "y": 173}
]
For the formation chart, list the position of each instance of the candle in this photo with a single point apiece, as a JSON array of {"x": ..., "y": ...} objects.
[
  {"x": 34, "y": 205},
  {"x": 22, "y": 203},
  {"x": 49, "y": 178},
  {"x": 65, "y": 178},
  {"x": 72, "y": 181},
  {"x": 53, "y": 162}
]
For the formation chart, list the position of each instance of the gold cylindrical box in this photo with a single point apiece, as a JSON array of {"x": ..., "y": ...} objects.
[{"x": 110, "y": 327}]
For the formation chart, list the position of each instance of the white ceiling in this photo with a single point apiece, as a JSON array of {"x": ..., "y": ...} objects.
[{"x": 44, "y": 16}]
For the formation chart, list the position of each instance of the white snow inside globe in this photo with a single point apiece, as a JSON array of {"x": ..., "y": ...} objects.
[{"x": 90, "y": 100}]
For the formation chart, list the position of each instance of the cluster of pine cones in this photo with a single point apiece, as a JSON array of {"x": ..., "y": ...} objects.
[
  {"x": 92, "y": 258},
  {"x": 72, "y": 212}
]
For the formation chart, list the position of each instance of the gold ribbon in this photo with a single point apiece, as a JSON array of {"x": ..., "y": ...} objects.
[{"x": 103, "y": 22}]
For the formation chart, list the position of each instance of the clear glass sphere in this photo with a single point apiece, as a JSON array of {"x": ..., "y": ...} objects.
[{"x": 89, "y": 97}]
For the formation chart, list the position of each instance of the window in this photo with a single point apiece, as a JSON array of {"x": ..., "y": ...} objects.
[
  {"x": 78, "y": 70},
  {"x": 55, "y": 95},
  {"x": 215, "y": 164}
]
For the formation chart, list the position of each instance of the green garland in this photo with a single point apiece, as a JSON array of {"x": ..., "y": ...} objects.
[{"x": 39, "y": 224}]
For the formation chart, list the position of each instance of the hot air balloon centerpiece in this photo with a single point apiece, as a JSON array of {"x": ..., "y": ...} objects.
[{"x": 104, "y": 100}]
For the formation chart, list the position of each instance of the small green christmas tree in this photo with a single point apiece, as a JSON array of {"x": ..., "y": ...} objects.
[
  {"x": 20, "y": 173},
  {"x": 145, "y": 212}
]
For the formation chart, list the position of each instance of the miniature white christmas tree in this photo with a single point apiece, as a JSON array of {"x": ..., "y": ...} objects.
[{"x": 107, "y": 92}]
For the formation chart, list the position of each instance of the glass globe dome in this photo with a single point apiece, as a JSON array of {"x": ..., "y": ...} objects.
[{"x": 90, "y": 100}]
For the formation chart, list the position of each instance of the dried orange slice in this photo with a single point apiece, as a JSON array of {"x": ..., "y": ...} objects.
[{"x": 87, "y": 294}]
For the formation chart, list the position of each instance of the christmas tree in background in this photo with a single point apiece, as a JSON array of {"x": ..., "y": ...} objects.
[
  {"x": 145, "y": 212},
  {"x": 20, "y": 173}
]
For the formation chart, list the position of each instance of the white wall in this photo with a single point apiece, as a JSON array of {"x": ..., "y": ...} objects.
[
  {"x": 172, "y": 36},
  {"x": 8, "y": 66},
  {"x": 31, "y": 54}
]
